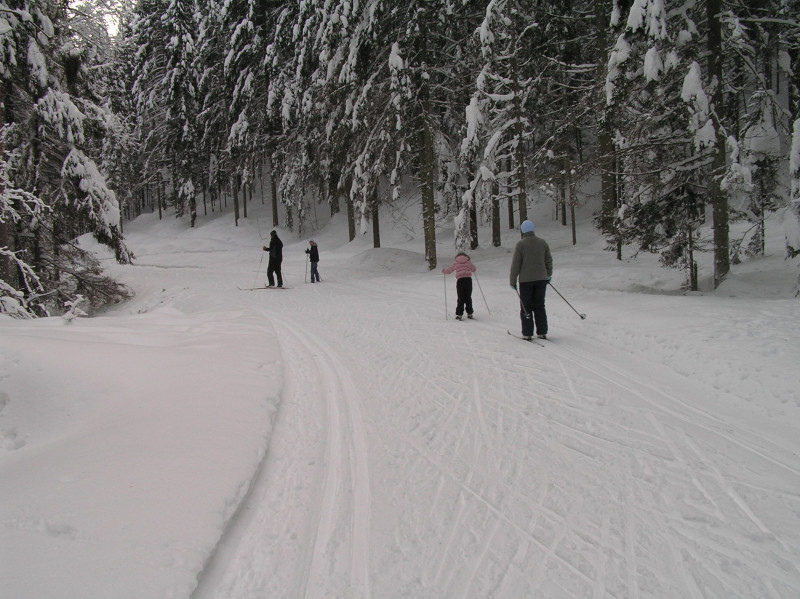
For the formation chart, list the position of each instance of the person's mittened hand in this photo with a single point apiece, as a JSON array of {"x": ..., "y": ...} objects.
[
  {"x": 444, "y": 273},
  {"x": 514, "y": 287},
  {"x": 549, "y": 279},
  {"x": 265, "y": 248}
]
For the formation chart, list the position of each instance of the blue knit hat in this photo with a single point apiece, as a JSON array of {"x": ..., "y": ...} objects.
[{"x": 526, "y": 226}]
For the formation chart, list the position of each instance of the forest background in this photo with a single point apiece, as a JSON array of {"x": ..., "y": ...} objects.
[{"x": 680, "y": 119}]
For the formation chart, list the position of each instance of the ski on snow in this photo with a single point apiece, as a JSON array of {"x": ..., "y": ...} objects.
[
  {"x": 534, "y": 341},
  {"x": 258, "y": 288}
]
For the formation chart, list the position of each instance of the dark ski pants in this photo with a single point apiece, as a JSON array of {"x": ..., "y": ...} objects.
[
  {"x": 274, "y": 268},
  {"x": 314, "y": 271},
  {"x": 464, "y": 292},
  {"x": 532, "y": 311}
]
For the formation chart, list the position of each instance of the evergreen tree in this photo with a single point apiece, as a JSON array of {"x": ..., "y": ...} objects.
[
  {"x": 56, "y": 128},
  {"x": 178, "y": 90},
  {"x": 669, "y": 133}
]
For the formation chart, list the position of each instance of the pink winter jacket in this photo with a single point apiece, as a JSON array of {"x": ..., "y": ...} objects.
[{"x": 461, "y": 265}]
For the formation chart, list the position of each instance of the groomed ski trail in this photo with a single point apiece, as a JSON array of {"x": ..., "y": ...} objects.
[
  {"x": 576, "y": 472},
  {"x": 316, "y": 472},
  {"x": 339, "y": 560}
]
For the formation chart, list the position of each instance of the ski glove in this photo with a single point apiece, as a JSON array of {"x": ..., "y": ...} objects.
[{"x": 549, "y": 279}]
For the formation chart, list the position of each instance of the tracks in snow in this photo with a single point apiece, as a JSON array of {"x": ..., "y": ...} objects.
[
  {"x": 304, "y": 528},
  {"x": 500, "y": 471},
  {"x": 338, "y": 564}
]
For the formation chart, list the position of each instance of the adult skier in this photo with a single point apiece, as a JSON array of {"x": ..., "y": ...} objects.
[
  {"x": 532, "y": 265},
  {"x": 313, "y": 257},
  {"x": 275, "y": 249}
]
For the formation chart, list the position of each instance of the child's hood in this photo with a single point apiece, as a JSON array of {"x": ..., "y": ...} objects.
[{"x": 461, "y": 257}]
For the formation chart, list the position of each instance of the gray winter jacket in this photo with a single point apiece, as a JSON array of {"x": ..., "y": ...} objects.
[{"x": 532, "y": 260}]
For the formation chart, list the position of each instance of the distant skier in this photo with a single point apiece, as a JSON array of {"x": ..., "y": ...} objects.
[
  {"x": 463, "y": 269},
  {"x": 313, "y": 257},
  {"x": 533, "y": 266},
  {"x": 275, "y": 249}
]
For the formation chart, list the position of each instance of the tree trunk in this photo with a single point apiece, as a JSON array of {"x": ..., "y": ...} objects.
[
  {"x": 5, "y": 263},
  {"x": 426, "y": 185},
  {"x": 510, "y": 196},
  {"x": 719, "y": 198},
  {"x": 376, "y": 223},
  {"x": 573, "y": 199},
  {"x": 333, "y": 192},
  {"x": 605, "y": 144},
  {"x": 273, "y": 189},
  {"x": 244, "y": 196},
  {"x": 261, "y": 179},
  {"x": 158, "y": 198},
  {"x": 473, "y": 225},
  {"x": 425, "y": 155},
  {"x": 235, "y": 185},
  {"x": 351, "y": 218},
  {"x": 496, "y": 236},
  {"x": 517, "y": 134}
]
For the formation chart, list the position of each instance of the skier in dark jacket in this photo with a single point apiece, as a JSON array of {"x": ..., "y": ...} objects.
[
  {"x": 275, "y": 249},
  {"x": 533, "y": 266},
  {"x": 313, "y": 257}
]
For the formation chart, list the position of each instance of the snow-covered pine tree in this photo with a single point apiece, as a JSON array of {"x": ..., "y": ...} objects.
[
  {"x": 498, "y": 128},
  {"x": 146, "y": 38},
  {"x": 122, "y": 161},
  {"x": 606, "y": 20},
  {"x": 246, "y": 28},
  {"x": 178, "y": 90},
  {"x": 213, "y": 127},
  {"x": 407, "y": 111},
  {"x": 56, "y": 129},
  {"x": 297, "y": 97},
  {"x": 657, "y": 87},
  {"x": 758, "y": 67},
  {"x": 21, "y": 289}
]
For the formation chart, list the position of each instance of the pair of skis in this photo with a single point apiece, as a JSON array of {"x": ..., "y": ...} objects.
[
  {"x": 533, "y": 340},
  {"x": 259, "y": 288}
]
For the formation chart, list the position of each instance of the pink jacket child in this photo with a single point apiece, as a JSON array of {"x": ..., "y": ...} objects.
[{"x": 463, "y": 269}]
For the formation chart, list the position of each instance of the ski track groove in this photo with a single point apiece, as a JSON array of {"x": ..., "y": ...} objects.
[
  {"x": 630, "y": 538},
  {"x": 623, "y": 381},
  {"x": 690, "y": 471},
  {"x": 346, "y": 463},
  {"x": 476, "y": 495},
  {"x": 737, "y": 499}
]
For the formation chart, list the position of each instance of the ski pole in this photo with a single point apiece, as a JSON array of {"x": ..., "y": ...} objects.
[
  {"x": 481, "y": 290},
  {"x": 305, "y": 279},
  {"x": 522, "y": 305},
  {"x": 583, "y": 316},
  {"x": 259, "y": 269},
  {"x": 444, "y": 280}
]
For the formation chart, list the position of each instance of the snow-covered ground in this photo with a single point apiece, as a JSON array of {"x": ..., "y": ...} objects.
[{"x": 347, "y": 439}]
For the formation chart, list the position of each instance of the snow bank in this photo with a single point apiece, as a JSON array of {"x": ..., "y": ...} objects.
[{"x": 128, "y": 485}]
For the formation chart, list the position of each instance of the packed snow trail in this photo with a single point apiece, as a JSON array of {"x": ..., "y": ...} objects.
[
  {"x": 504, "y": 470},
  {"x": 319, "y": 431}
]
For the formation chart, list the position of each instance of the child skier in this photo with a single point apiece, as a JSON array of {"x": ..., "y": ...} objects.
[
  {"x": 463, "y": 269},
  {"x": 313, "y": 256}
]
